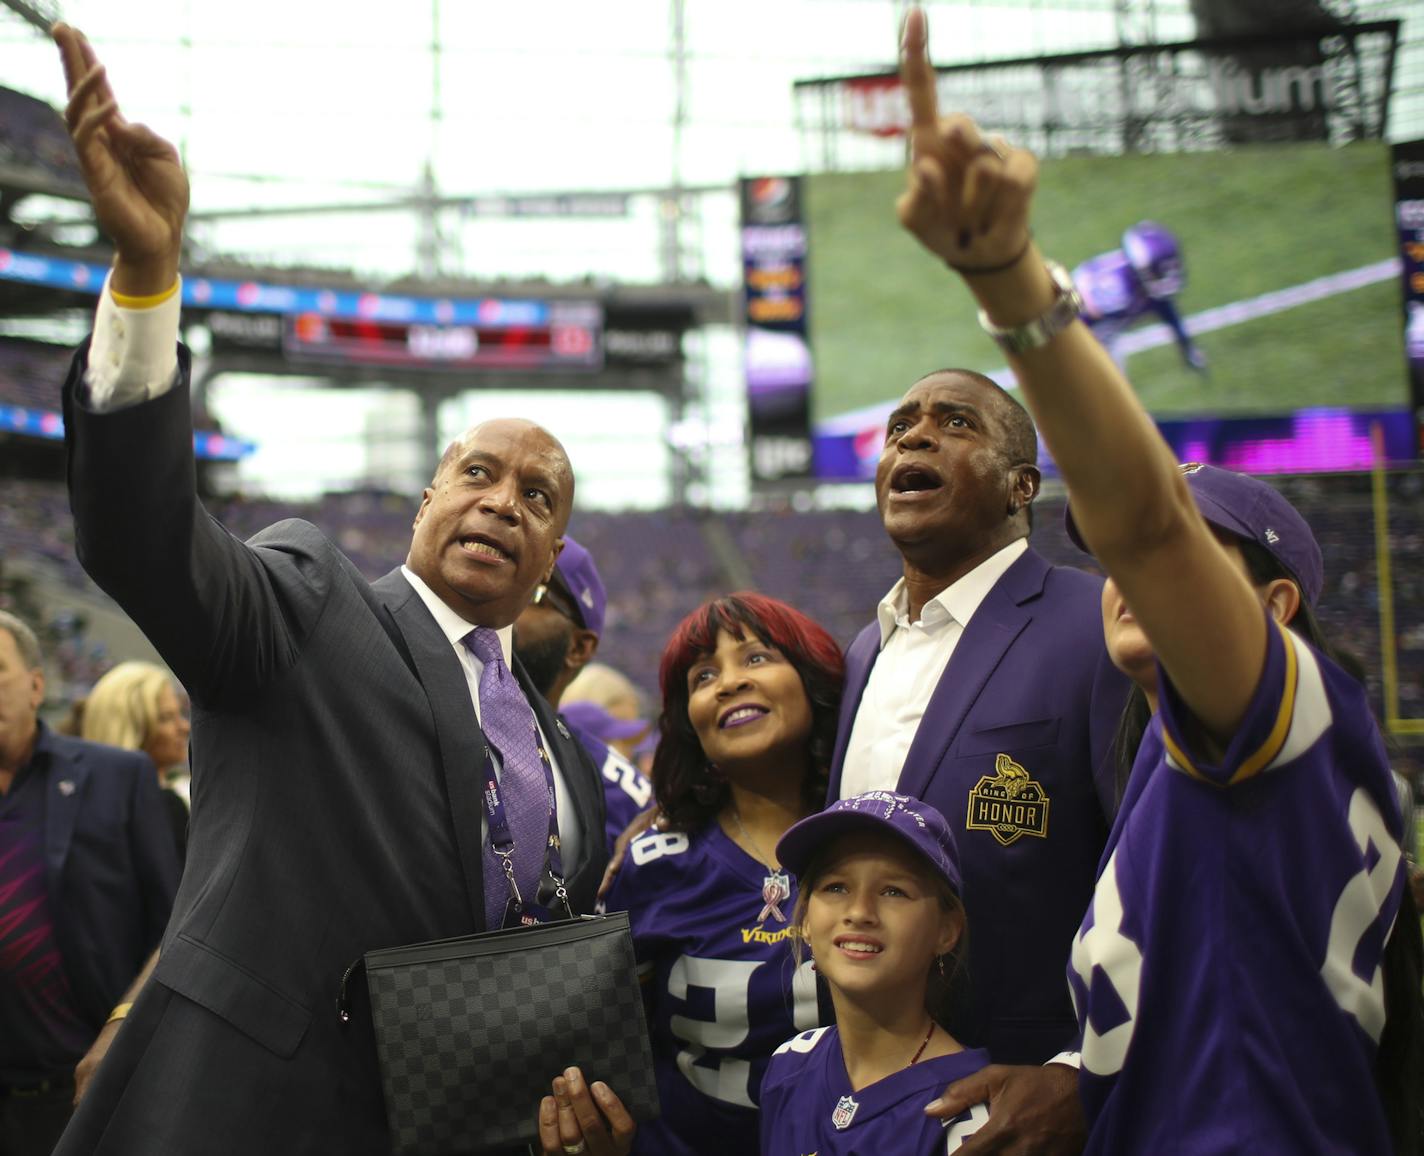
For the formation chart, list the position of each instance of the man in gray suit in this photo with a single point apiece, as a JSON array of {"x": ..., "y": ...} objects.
[{"x": 340, "y": 727}]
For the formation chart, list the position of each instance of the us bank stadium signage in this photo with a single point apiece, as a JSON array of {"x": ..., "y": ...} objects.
[{"x": 1332, "y": 85}]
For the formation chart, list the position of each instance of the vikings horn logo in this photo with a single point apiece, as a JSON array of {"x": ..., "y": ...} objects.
[
  {"x": 1013, "y": 776},
  {"x": 1008, "y": 804}
]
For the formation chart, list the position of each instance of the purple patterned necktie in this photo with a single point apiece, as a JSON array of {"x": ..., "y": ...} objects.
[{"x": 509, "y": 727}]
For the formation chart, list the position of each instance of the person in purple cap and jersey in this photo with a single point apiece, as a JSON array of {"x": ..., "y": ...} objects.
[
  {"x": 1247, "y": 976},
  {"x": 555, "y": 637},
  {"x": 879, "y": 912}
]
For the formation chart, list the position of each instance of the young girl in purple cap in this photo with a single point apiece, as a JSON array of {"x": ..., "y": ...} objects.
[
  {"x": 1247, "y": 975},
  {"x": 879, "y": 913}
]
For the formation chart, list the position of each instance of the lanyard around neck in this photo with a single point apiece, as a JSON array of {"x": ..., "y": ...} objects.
[{"x": 501, "y": 839}]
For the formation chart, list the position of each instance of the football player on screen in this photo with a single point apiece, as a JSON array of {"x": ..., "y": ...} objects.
[{"x": 1141, "y": 279}]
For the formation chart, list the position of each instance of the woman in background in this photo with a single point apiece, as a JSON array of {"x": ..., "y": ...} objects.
[{"x": 138, "y": 706}]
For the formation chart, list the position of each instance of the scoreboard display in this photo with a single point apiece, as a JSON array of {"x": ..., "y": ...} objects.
[
  {"x": 339, "y": 326},
  {"x": 562, "y": 335}
]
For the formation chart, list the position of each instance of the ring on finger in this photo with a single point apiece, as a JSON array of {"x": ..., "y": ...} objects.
[{"x": 575, "y": 1149}]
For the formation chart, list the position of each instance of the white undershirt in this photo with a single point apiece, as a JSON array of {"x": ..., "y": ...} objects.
[
  {"x": 912, "y": 659},
  {"x": 134, "y": 358}
]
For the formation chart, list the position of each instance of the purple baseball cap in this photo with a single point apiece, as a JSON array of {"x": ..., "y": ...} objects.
[
  {"x": 912, "y": 821},
  {"x": 1249, "y": 508},
  {"x": 592, "y": 719},
  {"x": 580, "y": 577}
]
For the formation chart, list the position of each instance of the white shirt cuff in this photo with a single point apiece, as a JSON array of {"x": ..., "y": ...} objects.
[
  {"x": 134, "y": 354},
  {"x": 1072, "y": 1060}
]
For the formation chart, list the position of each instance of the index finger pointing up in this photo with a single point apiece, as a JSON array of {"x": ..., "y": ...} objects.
[
  {"x": 918, "y": 77},
  {"x": 70, "y": 53}
]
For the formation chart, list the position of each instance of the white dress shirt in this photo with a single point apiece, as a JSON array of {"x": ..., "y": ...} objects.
[
  {"x": 913, "y": 656},
  {"x": 133, "y": 358},
  {"x": 134, "y": 354}
]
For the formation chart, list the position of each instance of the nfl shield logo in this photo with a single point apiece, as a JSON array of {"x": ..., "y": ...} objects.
[{"x": 844, "y": 1113}]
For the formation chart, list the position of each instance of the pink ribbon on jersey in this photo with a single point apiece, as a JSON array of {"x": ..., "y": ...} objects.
[{"x": 773, "y": 891}]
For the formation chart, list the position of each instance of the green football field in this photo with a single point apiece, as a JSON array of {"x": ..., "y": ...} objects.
[{"x": 1250, "y": 221}]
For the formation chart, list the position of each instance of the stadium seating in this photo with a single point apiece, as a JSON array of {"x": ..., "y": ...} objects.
[
  {"x": 833, "y": 564},
  {"x": 30, "y": 373}
]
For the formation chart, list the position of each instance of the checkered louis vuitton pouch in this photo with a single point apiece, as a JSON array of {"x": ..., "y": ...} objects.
[{"x": 470, "y": 1031}]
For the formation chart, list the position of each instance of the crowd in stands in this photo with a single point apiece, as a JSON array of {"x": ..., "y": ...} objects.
[
  {"x": 33, "y": 137},
  {"x": 832, "y": 563},
  {"x": 31, "y": 370},
  {"x": 76, "y": 659}
]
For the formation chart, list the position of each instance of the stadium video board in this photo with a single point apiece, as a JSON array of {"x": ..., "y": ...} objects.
[{"x": 1251, "y": 281}]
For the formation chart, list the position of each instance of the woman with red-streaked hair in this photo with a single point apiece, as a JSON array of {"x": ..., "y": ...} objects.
[{"x": 751, "y": 689}]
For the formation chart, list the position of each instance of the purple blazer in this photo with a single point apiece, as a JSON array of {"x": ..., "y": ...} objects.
[{"x": 1014, "y": 750}]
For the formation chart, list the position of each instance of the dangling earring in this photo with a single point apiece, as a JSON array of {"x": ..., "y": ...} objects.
[{"x": 939, "y": 963}]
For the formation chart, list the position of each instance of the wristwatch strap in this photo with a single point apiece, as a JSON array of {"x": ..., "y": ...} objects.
[{"x": 1044, "y": 328}]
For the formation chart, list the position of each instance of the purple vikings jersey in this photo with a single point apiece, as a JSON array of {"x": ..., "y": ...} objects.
[
  {"x": 809, "y": 1109},
  {"x": 1227, "y": 974},
  {"x": 722, "y": 984},
  {"x": 625, "y": 788}
]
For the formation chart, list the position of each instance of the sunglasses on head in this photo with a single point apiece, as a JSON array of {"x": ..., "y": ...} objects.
[{"x": 558, "y": 600}]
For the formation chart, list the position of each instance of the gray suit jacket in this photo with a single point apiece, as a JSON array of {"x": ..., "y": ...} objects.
[{"x": 335, "y": 805}]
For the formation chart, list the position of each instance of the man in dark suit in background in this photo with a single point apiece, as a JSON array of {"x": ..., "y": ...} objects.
[
  {"x": 985, "y": 689},
  {"x": 339, "y": 727},
  {"x": 88, "y": 872}
]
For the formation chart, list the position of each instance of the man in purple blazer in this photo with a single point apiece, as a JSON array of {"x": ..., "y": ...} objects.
[{"x": 984, "y": 688}]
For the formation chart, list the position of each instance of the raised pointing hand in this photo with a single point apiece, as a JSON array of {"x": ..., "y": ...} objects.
[
  {"x": 136, "y": 181},
  {"x": 966, "y": 200}
]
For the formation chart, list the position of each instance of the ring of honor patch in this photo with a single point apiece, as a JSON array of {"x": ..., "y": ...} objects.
[{"x": 1008, "y": 804}]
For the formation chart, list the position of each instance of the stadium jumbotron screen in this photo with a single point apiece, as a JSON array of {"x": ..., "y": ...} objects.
[{"x": 1280, "y": 263}]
